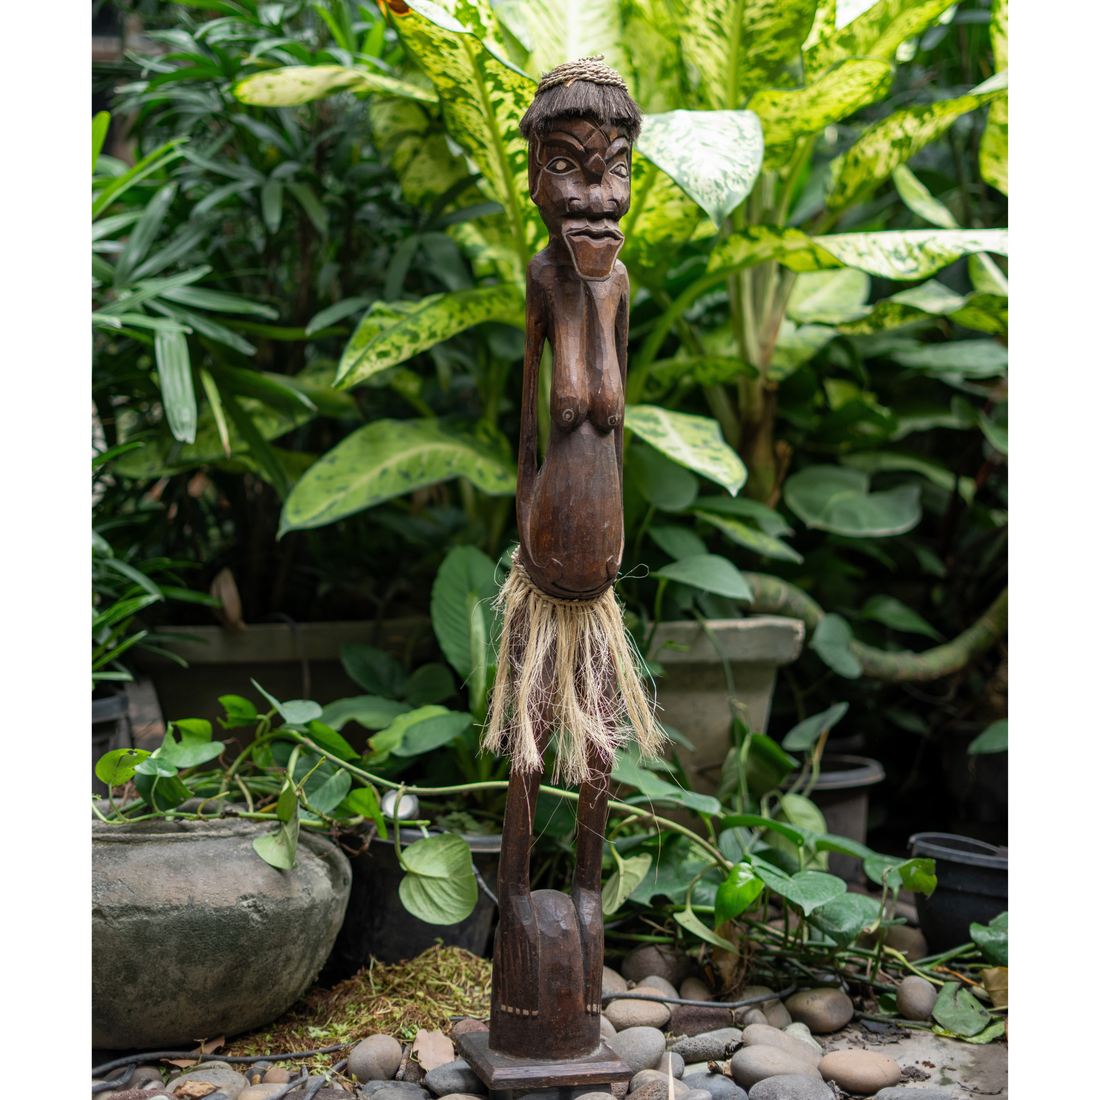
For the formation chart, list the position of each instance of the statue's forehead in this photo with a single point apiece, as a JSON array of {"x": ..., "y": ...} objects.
[{"x": 589, "y": 135}]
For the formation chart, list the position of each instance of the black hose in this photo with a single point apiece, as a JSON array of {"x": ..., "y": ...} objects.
[
  {"x": 156, "y": 1055},
  {"x": 321, "y": 1081},
  {"x": 118, "y": 1082},
  {"x": 700, "y": 1004}
]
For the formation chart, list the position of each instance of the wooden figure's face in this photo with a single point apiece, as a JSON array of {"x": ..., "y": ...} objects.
[{"x": 579, "y": 176}]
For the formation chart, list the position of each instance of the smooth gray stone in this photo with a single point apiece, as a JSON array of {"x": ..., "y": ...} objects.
[
  {"x": 653, "y": 958},
  {"x": 612, "y": 982},
  {"x": 791, "y": 1086},
  {"x": 181, "y": 905},
  {"x": 821, "y": 1010},
  {"x": 752, "y": 1064},
  {"x": 639, "y": 1047},
  {"x": 454, "y": 1076},
  {"x": 697, "y": 1094},
  {"x": 916, "y": 997},
  {"x": 395, "y": 1090},
  {"x": 708, "y": 1047},
  {"x": 677, "y": 1064},
  {"x": 900, "y": 1092},
  {"x": 227, "y": 1079},
  {"x": 717, "y": 1084},
  {"x": 376, "y": 1058}
]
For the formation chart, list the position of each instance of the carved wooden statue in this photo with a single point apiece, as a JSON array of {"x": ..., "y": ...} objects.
[{"x": 567, "y": 669}]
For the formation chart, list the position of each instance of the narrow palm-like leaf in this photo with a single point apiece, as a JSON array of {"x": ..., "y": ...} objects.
[
  {"x": 297, "y": 84},
  {"x": 392, "y": 332},
  {"x": 886, "y": 144},
  {"x": 215, "y": 399},
  {"x": 141, "y": 236},
  {"x": 176, "y": 386},
  {"x": 715, "y": 156},
  {"x": 386, "y": 459},
  {"x": 100, "y": 124}
]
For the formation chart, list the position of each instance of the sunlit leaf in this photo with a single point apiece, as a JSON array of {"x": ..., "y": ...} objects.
[
  {"x": 693, "y": 441},
  {"x": 296, "y": 84}
]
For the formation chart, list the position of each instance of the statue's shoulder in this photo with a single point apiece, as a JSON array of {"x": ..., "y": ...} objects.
[
  {"x": 542, "y": 268},
  {"x": 621, "y": 277}
]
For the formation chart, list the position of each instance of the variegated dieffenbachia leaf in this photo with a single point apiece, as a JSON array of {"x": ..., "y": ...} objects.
[
  {"x": 693, "y": 441},
  {"x": 415, "y": 144},
  {"x": 829, "y": 297},
  {"x": 295, "y": 84},
  {"x": 565, "y": 30},
  {"x": 919, "y": 199},
  {"x": 483, "y": 96},
  {"x": 392, "y": 332},
  {"x": 387, "y": 459},
  {"x": 740, "y": 46},
  {"x": 715, "y": 156},
  {"x": 892, "y": 141},
  {"x": 877, "y": 32},
  {"x": 788, "y": 114},
  {"x": 908, "y": 253},
  {"x": 993, "y": 153},
  {"x": 758, "y": 243},
  {"x": 649, "y": 44}
]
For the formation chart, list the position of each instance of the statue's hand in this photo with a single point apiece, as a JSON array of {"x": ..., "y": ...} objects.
[{"x": 589, "y": 906}]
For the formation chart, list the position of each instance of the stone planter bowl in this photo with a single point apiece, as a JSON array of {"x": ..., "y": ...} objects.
[{"x": 193, "y": 935}]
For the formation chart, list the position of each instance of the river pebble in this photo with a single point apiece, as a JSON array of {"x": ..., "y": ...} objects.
[
  {"x": 864, "y": 1071},
  {"x": 821, "y": 1010}
]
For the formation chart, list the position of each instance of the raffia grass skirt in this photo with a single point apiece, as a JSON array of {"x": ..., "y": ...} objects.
[{"x": 567, "y": 667}]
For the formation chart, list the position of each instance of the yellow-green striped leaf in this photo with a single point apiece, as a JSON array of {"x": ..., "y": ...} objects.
[
  {"x": 662, "y": 217},
  {"x": 392, "y": 332},
  {"x": 386, "y": 459},
  {"x": 564, "y": 30},
  {"x": 693, "y": 441},
  {"x": 759, "y": 243},
  {"x": 908, "y": 253},
  {"x": 919, "y": 199},
  {"x": 993, "y": 153},
  {"x": 886, "y": 144},
  {"x": 295, "y": 84}
]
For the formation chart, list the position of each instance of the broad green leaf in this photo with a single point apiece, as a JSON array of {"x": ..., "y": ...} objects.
[
  {"x": 958, "y": 1010},
  {"x": 877, "y": 31},
  {"x": 919, "y": 199},
  {"x": 390, "y": 739},
  {"x": 837, "y": 499},
  {"x": 296, "y": 84},
  {"x": 363, "y": 801},
  {"x": 280, "y": 848},
  {"x": 564, "y": 30},
  {"x": 893, "y": 613},
  {"x": 892, "y": 141},
  {"x": 759, "y": 243},
  {"x": 686, "y": 918},
  {"x": 677, "y": 542},
  {"x": 194, "y": 746},
  {"x": 464, "y": 570},
  {"x": 844, "y": 918},
  {"x": 973, "y": 358},
  {"x": 295, "y": 712},
  {"x": 992, "y": 938},
  {"x": 755, "y": 821},
  {"x": 788, "y": 114},
  {"x": 715, "y": 156},
  {"x": 386, "y": 459},
  {"x": 661, "y": 219},
  {"x": 986, "y": 276},
  {"x": 706, "y": 370},
  {"x": 483, "y": 97},
  {"x": 804, "y": 736},
  {"x": 766, "y": 766},
  {"x": 832, "y": 642},
  {"x": 160, "y": 791},
  {"x": 829, "y": 297},
  {"x": 918, "y": 875},
  {"x": 994, "y": 738},
  {"x": 176, "y": 385},
  {"x": 736, "y": 894},
  {"x": 329, "y": 316},
  {"x": 993, "y": 154},
  {"x": 663, "y": 483},
  {"x": 439, "y": 886},
  {"x": 749, "y": 537},
  {"x": 693, "y": 441},
  {"x": 327, "y": 738},
  {"x": 432, "y": 733},
  {"x": 767, "y": 519},
  {"x": 623, "y": 881},
  {"x": 372, "y": 712},
  {"x": 392, "y": 332},
  {"x": 803, "y": 814},
  {"x": 628, "y": 769},
  {"x": 117, "y": 767},
  {"x": 329, "y": 793},
  {"x": 809, "y": 890},
  {"x": 899, "y": 254},
  {"x": 431, "y": 683},
  {"x": 373, "y": 670},
  {"x": 709, "y": 572},
  {"x": 739, "y": 46}
]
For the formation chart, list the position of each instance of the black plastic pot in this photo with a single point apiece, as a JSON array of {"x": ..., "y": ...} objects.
[
  {"x": 972, "y": 885},
  {"x": 110, "y": 730},
  {"x": 841, "y": 795},
  {"x": 377, "y": 924}
]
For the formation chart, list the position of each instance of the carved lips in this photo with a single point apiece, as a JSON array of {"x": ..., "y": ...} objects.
[{"x": 593, "y": 245}]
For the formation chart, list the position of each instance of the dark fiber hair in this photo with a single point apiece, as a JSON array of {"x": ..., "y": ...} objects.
[{"x": 601, "y": 104}]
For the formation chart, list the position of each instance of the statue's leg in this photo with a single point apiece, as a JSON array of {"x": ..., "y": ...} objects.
[
  {"x": 516, "y": 962},
  {"x": 591, "y": 821}
]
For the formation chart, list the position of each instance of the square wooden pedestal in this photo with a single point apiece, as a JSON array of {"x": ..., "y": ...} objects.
[{"x": 500, "y": 1071}]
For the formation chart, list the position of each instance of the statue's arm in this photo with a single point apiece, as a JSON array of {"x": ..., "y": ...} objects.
[
  {"x": 528, "y": 465},
  {"x": 622, "y": 334}
]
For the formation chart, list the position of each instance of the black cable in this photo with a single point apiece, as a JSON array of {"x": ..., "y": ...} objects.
[
  {"x": 118, "y": 1082},
  {"x": 156, "y": 1055},
  {"x": 317, "y": 1085},
  {"x": 700, "y": 1004}
]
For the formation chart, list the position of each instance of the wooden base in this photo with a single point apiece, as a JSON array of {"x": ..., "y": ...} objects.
[{"x": 500, "y": 1071}]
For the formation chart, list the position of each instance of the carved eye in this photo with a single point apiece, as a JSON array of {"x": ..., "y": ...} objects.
[
  {"x": 560, "y": 164},
  {"x": 622, "y": 171}
]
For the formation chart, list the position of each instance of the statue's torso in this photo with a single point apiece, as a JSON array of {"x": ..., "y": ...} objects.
[{"x": 572, "y": 529}]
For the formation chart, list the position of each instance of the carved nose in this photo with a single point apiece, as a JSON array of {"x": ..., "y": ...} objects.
[{"x": 595, "y": 165}]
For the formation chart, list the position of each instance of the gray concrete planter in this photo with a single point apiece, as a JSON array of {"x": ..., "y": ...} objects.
[
  {"x": 692, "y": 693},
  {"x": 194, "y": 936}
]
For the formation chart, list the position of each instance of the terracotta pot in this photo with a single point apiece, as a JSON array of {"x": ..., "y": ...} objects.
[{"x": 193, "y": 935}]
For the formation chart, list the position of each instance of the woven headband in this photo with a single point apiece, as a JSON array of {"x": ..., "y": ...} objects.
[{"x": 590, "y": 69}]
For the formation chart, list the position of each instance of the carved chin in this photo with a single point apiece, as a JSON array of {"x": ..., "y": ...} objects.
[{"x": 593, "y": 250}]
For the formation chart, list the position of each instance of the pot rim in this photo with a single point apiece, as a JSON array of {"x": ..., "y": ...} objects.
[
  {"x": 952, "y": 848},
  {"x": 864, "y": 772}
]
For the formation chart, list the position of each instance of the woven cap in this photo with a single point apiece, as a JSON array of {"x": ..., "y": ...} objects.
[{"x": 590, "y": 69}]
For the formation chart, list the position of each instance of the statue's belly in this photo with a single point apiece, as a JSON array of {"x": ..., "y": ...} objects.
[{"x": 575, "y": 527}]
